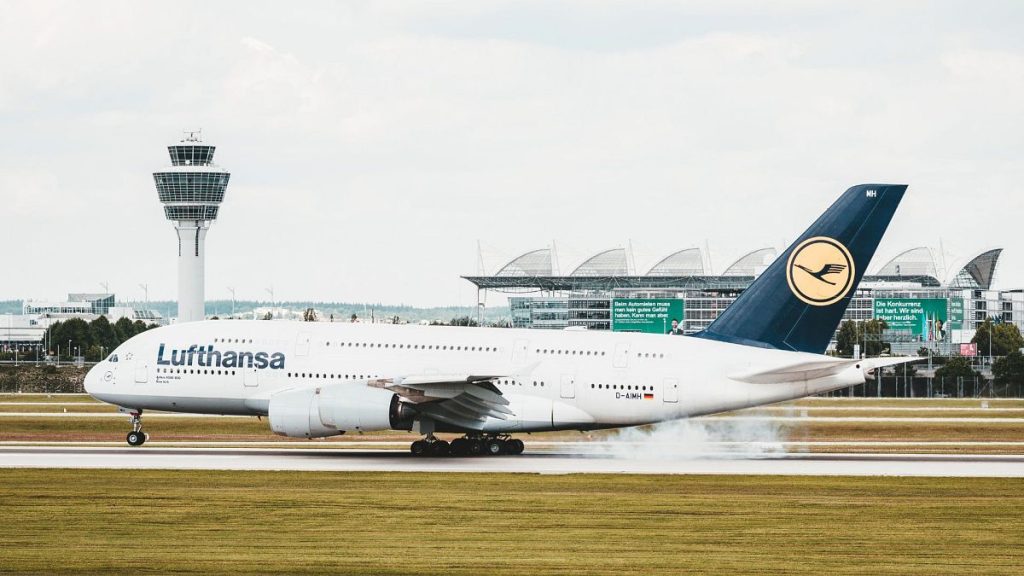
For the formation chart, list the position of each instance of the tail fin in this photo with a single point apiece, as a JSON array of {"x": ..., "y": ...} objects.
[{"x": 799, "y": 300}]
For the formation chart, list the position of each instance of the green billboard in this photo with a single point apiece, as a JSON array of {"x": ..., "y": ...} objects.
[
  {"x": 927, "y": 319},
  {"x": 651, "y": 315},
  {"x": 956, "y": 314}
]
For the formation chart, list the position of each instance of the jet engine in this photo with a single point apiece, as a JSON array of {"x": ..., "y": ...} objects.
[{"x": 332, "y": 410}]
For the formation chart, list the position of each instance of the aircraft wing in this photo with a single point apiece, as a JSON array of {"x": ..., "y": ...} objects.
[
  {"x": 815, "y": 368},
  {"x": 464, "y": 400}
]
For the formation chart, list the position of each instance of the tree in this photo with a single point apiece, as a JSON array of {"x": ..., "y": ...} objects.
[
  {"x": 846, "y": 338},
  {"x": 867, "y": 333},
  {"x": 1005, "y": 338},
  {"x": 1008, "y": 371},
  {"x": 124, "y": 328},
  {"x": 73, "y": 330},
  {"x": 956, "y": 367},
  {"x": 463, "y": 321},
  {"x": 103, "y": 334}
]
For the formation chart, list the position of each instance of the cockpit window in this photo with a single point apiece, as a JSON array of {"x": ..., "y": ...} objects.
[{"x": 113, "y": 358}]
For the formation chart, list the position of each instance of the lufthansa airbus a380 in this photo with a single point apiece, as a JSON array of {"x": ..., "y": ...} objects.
[{"x": 323, "y": 379}]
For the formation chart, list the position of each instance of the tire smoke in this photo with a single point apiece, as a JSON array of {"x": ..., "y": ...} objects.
[{"x": 697, "y": 438}]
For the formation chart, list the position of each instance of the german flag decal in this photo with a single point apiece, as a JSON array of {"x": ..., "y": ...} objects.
[{"x": 648, "y": 396}]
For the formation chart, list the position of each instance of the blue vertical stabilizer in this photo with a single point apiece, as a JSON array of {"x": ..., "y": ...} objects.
[{"x": 797, "y": 303}]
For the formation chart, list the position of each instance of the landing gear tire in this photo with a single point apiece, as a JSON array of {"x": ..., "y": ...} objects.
[
  {"x": 458, "y": 447},
  {"x": 474, "y": 447},
  {"x": 440, "y": 448},
  {"x": 136, "y": 438},
  {"x": 515, "y": 447},
  {"x": 494, "y": 447},
  {"x": 419, "y": 448}
]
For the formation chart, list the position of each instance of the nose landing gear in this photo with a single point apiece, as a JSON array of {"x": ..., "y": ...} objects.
[
  {"x": 136, "y": 437},
  {"x": 469, "y": 445}
]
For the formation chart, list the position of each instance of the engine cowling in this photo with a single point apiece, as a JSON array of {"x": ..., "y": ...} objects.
[
  {"x": 295, "y": 413},
  {"x": 332, "y": 410}
]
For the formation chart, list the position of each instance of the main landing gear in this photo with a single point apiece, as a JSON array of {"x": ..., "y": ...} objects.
[
  {"x": 137, "y": 437},
  {"x": 468, "y": 445}
]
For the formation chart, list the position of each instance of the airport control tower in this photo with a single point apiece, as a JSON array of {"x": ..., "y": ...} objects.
[{"x": 191, "y": 190}]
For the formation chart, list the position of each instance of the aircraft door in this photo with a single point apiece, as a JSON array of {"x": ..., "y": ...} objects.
[
  {"x": 141, "y": 373},
  {"x": 250, "y": 377},
  {"x": 568, "y": 386},
  {"x": 670, "y": 390},
  {"x": 519, "y": 351},
  {"x": 302, "y": 344},
  {"x": 621, "y": 359}
]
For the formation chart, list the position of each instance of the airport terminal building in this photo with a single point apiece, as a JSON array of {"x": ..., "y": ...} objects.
[
  {"x": 921, "y": 308},
  {"x": 28, "y": 328}
]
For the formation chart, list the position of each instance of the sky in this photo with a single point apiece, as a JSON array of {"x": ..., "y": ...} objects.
[{"x": 379, "y": 150}]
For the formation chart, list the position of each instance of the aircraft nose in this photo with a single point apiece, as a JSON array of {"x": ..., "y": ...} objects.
[{"x": 94, "y": 378}]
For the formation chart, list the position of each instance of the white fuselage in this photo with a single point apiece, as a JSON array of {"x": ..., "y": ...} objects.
[{"x": 554, "y": 380}]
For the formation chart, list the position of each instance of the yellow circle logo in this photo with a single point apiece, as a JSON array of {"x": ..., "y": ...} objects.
[{"x": 820, "y": 271}]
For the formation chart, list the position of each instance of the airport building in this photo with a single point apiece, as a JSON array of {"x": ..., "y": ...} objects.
[
  {"x": 191, "y": 190},
  {"x": 28, "y": 328},
  {"x": 921, "y": 307}
]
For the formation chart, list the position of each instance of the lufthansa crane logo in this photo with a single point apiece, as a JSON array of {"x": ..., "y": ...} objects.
[{"x": 820, "y": 271}]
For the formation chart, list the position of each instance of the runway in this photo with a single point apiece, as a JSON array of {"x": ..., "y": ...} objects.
[{"x": 558, "y": 462}]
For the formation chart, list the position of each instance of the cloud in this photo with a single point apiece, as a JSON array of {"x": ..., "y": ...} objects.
[{"x": 381, "y": 140}]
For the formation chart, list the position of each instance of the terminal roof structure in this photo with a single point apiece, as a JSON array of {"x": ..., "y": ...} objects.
[
  {"x": 688, "y": 262},
  {"x": 533, "y": 263},
  {"x": 684, "y": 270},
  {"x": 978, "y": 272},
  {"x": 608, "y": 263},
  {"x": 752, "y": 263}
]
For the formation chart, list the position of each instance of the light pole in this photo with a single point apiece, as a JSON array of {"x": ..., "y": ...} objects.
[
  {"x": 232, "y": 290},
  {"x": 271, "y": 292},
  {"x": 145, "y": 292}
]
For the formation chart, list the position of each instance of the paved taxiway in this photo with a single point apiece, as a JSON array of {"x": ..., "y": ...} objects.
[{"x": 540, "y": 463}]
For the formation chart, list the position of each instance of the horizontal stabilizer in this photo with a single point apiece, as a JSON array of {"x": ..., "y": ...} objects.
[{"x": 813, "y": 369}]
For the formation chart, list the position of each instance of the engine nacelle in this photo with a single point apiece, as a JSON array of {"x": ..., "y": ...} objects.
[
  {"x": 332, "y": 410},
  {"x": 360, "y": 407},
  {"x": 296, "y": 413}
]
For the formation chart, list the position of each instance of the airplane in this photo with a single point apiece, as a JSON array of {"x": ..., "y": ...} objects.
[{"x": 317, "y": 379}]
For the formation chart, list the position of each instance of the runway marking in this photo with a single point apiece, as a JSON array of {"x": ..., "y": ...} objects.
[{"x": 930, "y": 465}]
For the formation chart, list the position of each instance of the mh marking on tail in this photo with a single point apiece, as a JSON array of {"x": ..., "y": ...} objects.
[{"x": 820, "y": 271}]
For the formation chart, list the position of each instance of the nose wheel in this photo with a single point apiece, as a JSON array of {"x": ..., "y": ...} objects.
[{"x": 136, "y": 437}]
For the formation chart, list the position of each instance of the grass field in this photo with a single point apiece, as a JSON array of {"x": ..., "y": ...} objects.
[{"x": 98, "y": 521}]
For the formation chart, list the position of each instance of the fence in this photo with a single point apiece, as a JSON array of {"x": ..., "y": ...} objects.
[{"x": 923, "y": 387}]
